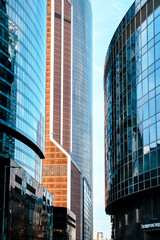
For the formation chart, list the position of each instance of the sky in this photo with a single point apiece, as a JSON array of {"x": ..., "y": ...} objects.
[{"x": 107, "y": 15}]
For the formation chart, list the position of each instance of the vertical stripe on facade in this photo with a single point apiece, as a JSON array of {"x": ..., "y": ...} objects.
[
  {"x": 67, "y": 76},
  {"x": 57, "y": 72}
]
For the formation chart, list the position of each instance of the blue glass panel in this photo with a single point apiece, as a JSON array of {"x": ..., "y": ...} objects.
[
  {"x": 139, "y": 90},
  {"x": 150, "y": 32},
  {"x": 157, "y": 52},
  {"x": 145, "y": 111},
  {"x": 138, "y": 43},
  {"x": 138, "y": 67},
  {"x": 145, "y": 86},
  {"x": 145, "y": 136},
  {"x": 157, "y": 103},
  {"x": 153, "y": 133},
  {"x": 150, "y": 44},
  {"x": 158, "y": 130},
  {"x": 151, "y": 81},
  {"x": 150, "y": 18},
  {"x": 144, "y": 62},
  {"x": 150, "y": 56},
  {"x": 144, "y": 37},
  {"x": 157, "y": 12},
  {"x": 152, "y": 108},
  {"x": 139, "y": 115}
]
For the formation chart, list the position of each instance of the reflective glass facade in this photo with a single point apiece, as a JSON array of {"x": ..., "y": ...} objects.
[
  {"x": 22, "y": 82},
  {"x": 81, "y": 151},
  {"x": 82, "y": 87},
  {"x": 87, "y": 211},
  {"x": 132, "y": 113}
]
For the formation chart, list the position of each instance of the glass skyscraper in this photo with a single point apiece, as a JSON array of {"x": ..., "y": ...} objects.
[
  {"x": 22, "y": 83},
  {"x": 23, "y": 200},
  {"x": 82, "y": 104},
  {"x": 132, "y": 124}
]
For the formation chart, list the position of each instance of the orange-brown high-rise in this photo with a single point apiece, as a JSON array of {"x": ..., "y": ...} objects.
[{"x": 58, "y": 165}]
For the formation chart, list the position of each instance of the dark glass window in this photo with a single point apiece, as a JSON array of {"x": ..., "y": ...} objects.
[
  {"x": 153, "y": 159},
  {"x": 146, "y": 162}
]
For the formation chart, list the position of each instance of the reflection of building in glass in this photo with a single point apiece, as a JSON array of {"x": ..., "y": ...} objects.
[
  {"x": 132, "y": 127},
  {"x": 22, "y": 90},
  {"x": 68, "y": 152}
]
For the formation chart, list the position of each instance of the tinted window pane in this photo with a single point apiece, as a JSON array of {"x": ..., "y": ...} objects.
[
  {"x": 140, "y": 163},
  {"x": 157, "y": 25},
  {"x": 144, "y": 37},
  {"x": 158, "y": 130},
  {"x": 145, "y": 86},
  {"x": 158, "y": 77},
  {"x": 153, "y": 133},
  {"x": 153, "y": 159},
  {"x": 146, "y": 162},
  {"x": 139, "y": 90},
  {"x": 150, "y": 56},
  {"x": 146, "y": 137},
  {"x": 157, "y": 52},
  {"x": 144, "y": 61},
  {"x": 150, "y": 31},
  {"x": 152, "y": 107},
  {"x": 157, "y": 103},
  {"x": 151, "y": 81},
  {"x": 145, "y": 111}
]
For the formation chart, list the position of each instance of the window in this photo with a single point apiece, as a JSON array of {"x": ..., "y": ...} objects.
[
  {"x": 150, "y": 31},
  {"x": 153, "y": 160},
  {"x": 144, "y": 62},
  {"x": 126, "y": 219},
  {"x": 157, "y": 52},
  {"x": 145, "y": 86},
  {"x": 137, "y": 215},
  {"x": 146, "y": 162},
  {"x": 152, "y": 108},
  {"x": 158, "y": 77},
  {"x": 151, "y": 82},
  {"x": 157, "y": 25},
  {"x": 151, "y": 56}
]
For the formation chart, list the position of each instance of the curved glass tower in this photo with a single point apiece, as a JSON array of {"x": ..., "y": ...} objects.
[
  {"x": 22, "y": 83},
  {"x": 82, "y": 87},
  {"x": 132, "y": 123},
  {"x": 82, "y": 104}
]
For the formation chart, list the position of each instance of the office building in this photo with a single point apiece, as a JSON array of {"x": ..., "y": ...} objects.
[
  {"x": 67, "y": 167},
  {"x": 82, "y": 105},
  {"x": 132, "y": 127},
  {"x": 22, "y": 113}
]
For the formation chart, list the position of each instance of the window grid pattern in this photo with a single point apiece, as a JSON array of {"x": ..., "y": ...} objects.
[
  {"x": 132, "y": 89},
  {"x": 22, "y": 76}
]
